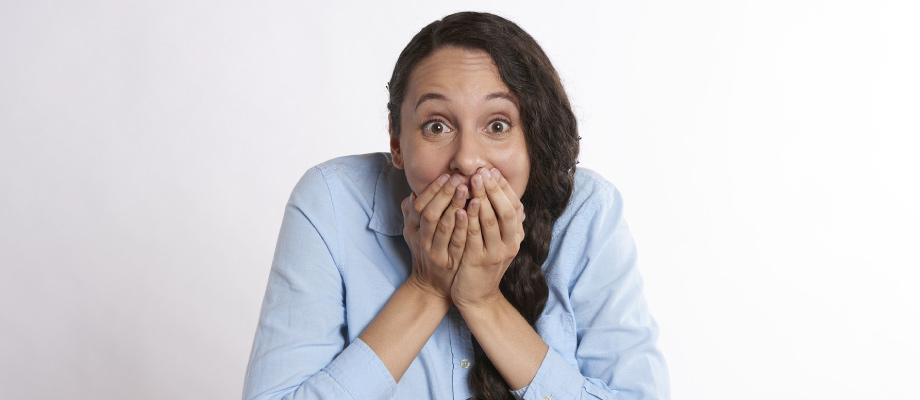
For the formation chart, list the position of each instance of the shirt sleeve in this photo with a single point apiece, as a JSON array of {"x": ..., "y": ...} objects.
[
  {"x": 616, "y": 353},
  {"x": 300, "y": 349}
]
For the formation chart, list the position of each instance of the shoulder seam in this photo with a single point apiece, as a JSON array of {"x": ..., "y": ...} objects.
[{"x": 338, "y": 239}]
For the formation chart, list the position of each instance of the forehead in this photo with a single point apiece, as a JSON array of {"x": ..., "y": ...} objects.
[{"x": 452, "y": 69}]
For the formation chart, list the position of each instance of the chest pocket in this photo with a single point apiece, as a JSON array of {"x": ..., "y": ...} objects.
[{"x": 558, "y": 331}]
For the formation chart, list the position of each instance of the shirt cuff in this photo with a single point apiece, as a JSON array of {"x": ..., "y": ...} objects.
[
  {"x": 361, "y": 373},
  {"x": 555, "y": 379}
]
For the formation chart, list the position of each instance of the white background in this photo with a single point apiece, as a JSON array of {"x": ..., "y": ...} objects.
[{"x": 766, "y": 151}]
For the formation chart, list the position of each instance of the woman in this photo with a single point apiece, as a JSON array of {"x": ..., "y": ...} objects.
[{"x": 473, "y": 260}]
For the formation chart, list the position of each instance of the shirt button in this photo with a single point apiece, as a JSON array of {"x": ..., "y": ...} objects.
[{"x": 464, "y": 363}]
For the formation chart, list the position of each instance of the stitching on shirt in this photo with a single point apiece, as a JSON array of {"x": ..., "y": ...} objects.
[
  {"x": 340, "y": 244},
  {"x": 581, "y": 228},
  {"x": 336, "y": 379}
]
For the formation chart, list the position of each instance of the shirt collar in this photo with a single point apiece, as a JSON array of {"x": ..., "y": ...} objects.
[{"x": 389, "y": 193}]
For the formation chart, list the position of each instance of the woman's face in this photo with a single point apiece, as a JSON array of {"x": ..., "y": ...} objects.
[{"x": 457, "y": 117}]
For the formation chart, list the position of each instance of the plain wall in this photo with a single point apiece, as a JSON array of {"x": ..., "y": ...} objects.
[{"x": 766, "y": 151}]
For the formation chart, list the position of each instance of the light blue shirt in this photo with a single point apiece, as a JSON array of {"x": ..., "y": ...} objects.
[{"x": 341, "y": 255}]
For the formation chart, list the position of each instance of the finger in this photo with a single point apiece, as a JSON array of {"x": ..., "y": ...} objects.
[
  {"x": 509, "y": 192},
  {"x": 432, "y": 214},
  {"x": 429, "y": 193},
  {"x": 488, "y": 222},
  {"x": 458, "y": 238},
  {"x": 473, "y": 232},
  {"x": 419, "y": 201},
  {"x": 408, "y": 229},
  {"x": 404, "y": 206},
  {"x": 411, "y": 217},
  {"x": 508, "y": 222},
  {"x": 446, "y": 225}
]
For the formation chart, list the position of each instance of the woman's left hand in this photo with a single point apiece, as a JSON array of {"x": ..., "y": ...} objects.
[{"x": 494, "y": 234}]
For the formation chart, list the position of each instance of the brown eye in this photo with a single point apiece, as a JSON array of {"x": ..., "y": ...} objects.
[
  {"x": 435, "y": 128},
  {"x": 499, "y": 127}
]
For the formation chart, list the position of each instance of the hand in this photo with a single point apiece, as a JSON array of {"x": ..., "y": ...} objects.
[
  {"x": 435, "y": 229},
  {"x": 494, "y": 235}
]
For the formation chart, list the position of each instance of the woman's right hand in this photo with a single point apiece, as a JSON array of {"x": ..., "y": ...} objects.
[{"x": 435, "y": 224}]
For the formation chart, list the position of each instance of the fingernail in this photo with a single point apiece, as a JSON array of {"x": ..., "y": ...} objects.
[
  {"x": 455, "y": 180},
  {"x": 477, "y": 181},
  {"x": 461, "y": 192},
  {"x": 497, "y": 174},
  {"x": 443, "y": 179},
  {"x": 474, "y": 205},
  {"x": 485, "y": 174}
]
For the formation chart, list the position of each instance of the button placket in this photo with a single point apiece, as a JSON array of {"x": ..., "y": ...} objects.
[{"x": 462, "y": 351}]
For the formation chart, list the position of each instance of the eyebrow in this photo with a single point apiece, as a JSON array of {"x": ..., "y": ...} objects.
[
  {"x": 503, "y": 95},
  {"x": 491, "y": 96},
  {"x": 430, "y": 96}
]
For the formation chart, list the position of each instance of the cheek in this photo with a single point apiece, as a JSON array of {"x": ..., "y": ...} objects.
[
  {"x": 517, "y": 171},
  {"x": 413, "y": 165},
  {"x": 415, "y": 178},
  {"x": 420, "y": 172},
  {"x": 519, "y": 182}
]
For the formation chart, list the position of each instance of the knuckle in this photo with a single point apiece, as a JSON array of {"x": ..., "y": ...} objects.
[
  {"x": 430, "y": 216},
  {"x": 458, "y": 203},
  {"x": 444, "y": 227},
  {"x": 489, "y": 222},
  {"x": 509, "y": 215}
]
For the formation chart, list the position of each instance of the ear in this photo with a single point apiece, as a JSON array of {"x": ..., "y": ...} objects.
[{"x": 395, "y": 150}]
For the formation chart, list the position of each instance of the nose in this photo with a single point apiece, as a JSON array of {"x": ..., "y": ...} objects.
[{"x": 468, "y": 154}]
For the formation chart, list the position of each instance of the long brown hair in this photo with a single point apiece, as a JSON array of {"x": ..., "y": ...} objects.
[{"x": 551, "y": 133}]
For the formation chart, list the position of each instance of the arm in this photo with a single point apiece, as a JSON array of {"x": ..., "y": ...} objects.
[
  {"x": 616, "y": 332},
  {"x": 297, "y": 352},
  {"x": 300, "y": 349},
  {"x": 401, "y": 329},
  {"x": 616, "y": 353},
  {"x": 435, "y": 230},
  {"x": 514, "y": 348}
]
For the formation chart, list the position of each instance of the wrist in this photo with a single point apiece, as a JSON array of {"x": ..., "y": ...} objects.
[
  {"x": 492, "y": 302},
  {"x": 424, "y": 292}
]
